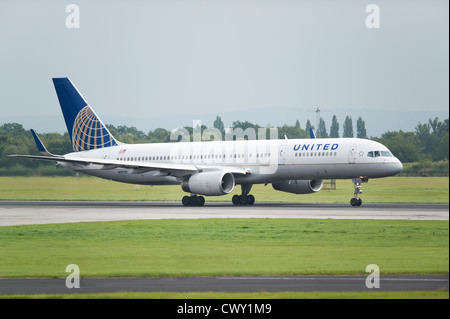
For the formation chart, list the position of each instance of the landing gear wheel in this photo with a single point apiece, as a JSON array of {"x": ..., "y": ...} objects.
[
  {"x": 244, "y": 198},
  {"x": 356, "y": 201},
  {"x": 236, "y": 199},
  {"x": 193, "y": 200},
  {"x": 201, "y": 201},
  {"x": 185, "y": 201}
]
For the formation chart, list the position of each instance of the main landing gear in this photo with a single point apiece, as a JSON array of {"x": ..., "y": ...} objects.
[
  {"x": 244, "y": 198},
  {"x": 356, "y": 201},
  {"x": 193, "y": 200}
]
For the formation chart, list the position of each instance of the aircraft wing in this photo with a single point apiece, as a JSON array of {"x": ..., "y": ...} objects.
[{"x": 138, "y": 167}]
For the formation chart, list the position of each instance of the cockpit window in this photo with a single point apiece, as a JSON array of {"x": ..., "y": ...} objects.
[{"x": 378, "y": 154}]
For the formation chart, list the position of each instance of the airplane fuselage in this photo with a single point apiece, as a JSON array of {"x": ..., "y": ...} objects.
[{"x": 264, "y": 161}]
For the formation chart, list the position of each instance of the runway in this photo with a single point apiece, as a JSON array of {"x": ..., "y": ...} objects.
[
  {"x": 225, "y": 284},
  {"x": 29, "y": 213}
]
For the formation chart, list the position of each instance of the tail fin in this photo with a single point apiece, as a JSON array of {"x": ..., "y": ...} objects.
[{"x": 85, "y": 129}]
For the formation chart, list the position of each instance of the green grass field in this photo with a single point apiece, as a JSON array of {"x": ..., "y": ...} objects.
[
  {"x": 218, "y": 247},
  {"x": 386, "y": 190}
]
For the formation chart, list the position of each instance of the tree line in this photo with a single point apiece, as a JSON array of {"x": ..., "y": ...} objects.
[{"x": 428, "y": 142}]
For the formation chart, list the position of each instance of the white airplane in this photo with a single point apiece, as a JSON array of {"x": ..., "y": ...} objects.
[{"x": 214, "y": 168}]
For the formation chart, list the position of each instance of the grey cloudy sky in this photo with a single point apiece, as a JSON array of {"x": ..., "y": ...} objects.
[{"x": 147, "y": 59}]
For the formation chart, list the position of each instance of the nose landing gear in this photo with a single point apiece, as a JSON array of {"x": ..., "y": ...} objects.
[{"x": 356, "y": 201}]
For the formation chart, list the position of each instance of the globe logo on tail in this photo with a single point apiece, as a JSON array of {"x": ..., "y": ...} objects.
[{"x": 89, "y": 133}]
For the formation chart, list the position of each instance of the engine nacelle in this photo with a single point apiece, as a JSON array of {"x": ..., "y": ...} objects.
[
  {"x": 209, "y": 183},
  {"x": 299, "y": 186}
]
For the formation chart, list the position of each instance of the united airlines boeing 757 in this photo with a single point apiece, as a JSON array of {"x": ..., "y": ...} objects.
[{"x": 214, "y": 168}]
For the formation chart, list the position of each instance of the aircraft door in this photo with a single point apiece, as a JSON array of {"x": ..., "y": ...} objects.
[
  {"x": 282, "y": 158},
  {"x": 352, "y": 155}
]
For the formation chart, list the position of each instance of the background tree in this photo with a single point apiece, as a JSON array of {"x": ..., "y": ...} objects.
[
  {"x": 348, "y": 127},
  {"x": 334, "y": 129},
  {"x": 361, "y": 128},
  {"x": 291, "y": 132},
  {"x": 308, "y": 126},
  {"x": 441, "y": 152},
  {"x": 159, "y": 135},
  {"x": 218, "y": 124},
  {"x": 432, "y": 136},
  {"x": 322, "y": 130},
  {"x": 423, "y": 132},
  {"x": 243, "y": 125},
  {"x": 404, "y": 145}
]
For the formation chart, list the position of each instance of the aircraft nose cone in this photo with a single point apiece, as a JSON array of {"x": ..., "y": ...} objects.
[{"x": 398, "y": 167}]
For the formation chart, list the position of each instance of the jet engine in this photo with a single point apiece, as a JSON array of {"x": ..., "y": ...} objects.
[
  {"x": 209, "y": 183},
  {"x": 299, "y": 186}
]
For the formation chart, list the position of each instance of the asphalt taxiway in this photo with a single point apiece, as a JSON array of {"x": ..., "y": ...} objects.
[
  {"x": 225, "y": 284},
  {"x": 41, "y": 212}
]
